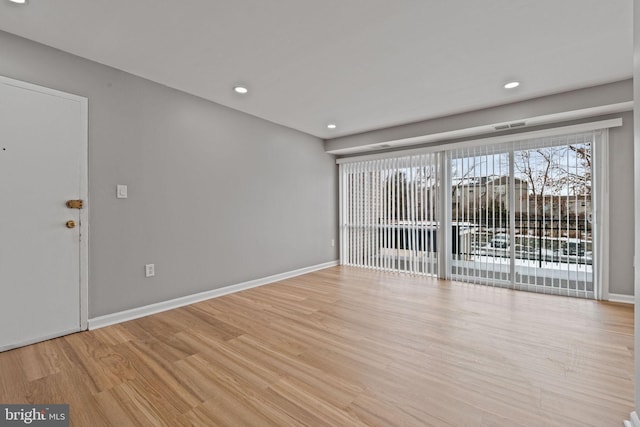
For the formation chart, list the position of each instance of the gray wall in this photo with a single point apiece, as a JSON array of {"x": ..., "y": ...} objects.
[
  {"x": 216, "y": 197},
  {"x": 621, "y": 229},
  {"x": 621, "y": 195},
  {"x": 611, "y": 93}
]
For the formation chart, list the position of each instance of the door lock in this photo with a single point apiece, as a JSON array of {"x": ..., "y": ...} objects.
[
  {"x": 74, "y": 204},
  {"x": 71, "y": 224}
]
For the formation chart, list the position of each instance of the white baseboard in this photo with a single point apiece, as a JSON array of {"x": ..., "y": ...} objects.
[
  {"x": 39, "y": 339},
  {"x": 633, "y": 421},
  {"x": 627, "y": 299},
  {"x": 135, "y": 313}
]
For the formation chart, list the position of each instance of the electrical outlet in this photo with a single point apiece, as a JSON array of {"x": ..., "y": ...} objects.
[
  {"x": 333, "y": 243},
  {"x": 149, "y": 270}
]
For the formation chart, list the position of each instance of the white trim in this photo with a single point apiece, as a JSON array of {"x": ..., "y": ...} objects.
[
  {"x": 443, "y": 241},
  {"x": 622, "y": 298},
  {"x": 636, "y": 202},
  {"x": 83, "y": 190},
  {"x": 341, "y": 194},
  {"x": 41, "y": 89},
  {"x": 442, "y": 137},
  {"x": 39, "y": 339},
  {"x": 634, "y": 420},
  {"x": 84, "y": 217},
  {"x": 600, "y": 214},
  {"x": 512, "y": 217},
  {"x": 556, "y": 131},
  {"x": 147, "y": 310}
]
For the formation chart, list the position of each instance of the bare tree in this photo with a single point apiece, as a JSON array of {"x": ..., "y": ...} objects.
[
  {"x": 538, "y": 168},
  {"x": 549, "y": 170},
  {"x": 577, "y": 178}
]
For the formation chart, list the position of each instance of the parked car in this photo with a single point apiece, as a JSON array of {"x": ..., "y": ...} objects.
[
  {"x": 574, "y": 247},
  {"x": 500, "y": 241}
]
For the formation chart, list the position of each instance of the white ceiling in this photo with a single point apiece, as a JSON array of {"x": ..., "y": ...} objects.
[{"x": 363, "y": 64}]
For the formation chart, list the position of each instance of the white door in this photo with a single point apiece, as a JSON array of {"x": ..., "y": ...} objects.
[{"x": 43, "y": 156}]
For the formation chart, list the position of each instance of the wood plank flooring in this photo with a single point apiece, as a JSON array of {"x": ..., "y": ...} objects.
[{"x": 342, "y": 347}]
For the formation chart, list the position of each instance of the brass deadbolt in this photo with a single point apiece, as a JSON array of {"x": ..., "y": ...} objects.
[
  {"x": 74, "y": 204},
  {"x": 71, "y": 224}
]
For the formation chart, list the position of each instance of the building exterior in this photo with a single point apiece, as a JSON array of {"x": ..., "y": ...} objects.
[{"x": 487, "y": 195}]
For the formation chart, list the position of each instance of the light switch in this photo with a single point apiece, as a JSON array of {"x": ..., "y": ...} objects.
[
  {"x": 149, "y": 270},
  {"x": 121, "y": 191}
]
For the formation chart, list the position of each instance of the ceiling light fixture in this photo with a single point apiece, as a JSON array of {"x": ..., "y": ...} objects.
[
  {"x": 241, "y": 89},
  {"x": 18, "y": 1},
  {"x": 331, "y": 126},
  {"x": 511, "y": 85}
]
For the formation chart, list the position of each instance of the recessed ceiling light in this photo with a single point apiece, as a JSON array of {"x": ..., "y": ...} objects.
[
  {"x": 331, "y": 126},
  {"x": 511, "y": 85},
  {"x": 241, "y": 89},
  {"x": 18, "y": 1}
]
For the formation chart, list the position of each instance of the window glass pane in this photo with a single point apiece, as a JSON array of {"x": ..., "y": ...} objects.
[{"x": 389, "y": 214}]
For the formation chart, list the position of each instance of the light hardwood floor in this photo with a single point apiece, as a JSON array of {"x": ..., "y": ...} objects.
[{"x": 340, "y": 347}]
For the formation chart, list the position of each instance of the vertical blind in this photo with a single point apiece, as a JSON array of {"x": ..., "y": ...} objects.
[
  {"x": 518, "y": 214},
  {"x": 479, "y": 215},
  {"x": 521, "y": 214},
  {"x": 389, "y": 214}
]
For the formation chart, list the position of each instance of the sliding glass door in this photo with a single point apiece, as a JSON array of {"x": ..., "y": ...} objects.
[
  {"x": 553, "y": 224},
  {"x": 480, "y": 215},
  {"x": 389, "y": 214},
  {"x": 517, "y": 214},
  {"x": 522, "y": 214}
]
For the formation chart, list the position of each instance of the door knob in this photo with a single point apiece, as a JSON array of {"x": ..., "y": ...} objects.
[{"x": 71, "y": 224}]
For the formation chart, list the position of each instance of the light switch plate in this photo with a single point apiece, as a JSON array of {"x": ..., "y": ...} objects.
[
  {"x": 149, "y": 270},
  {"x": 121, "y": 191}
]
